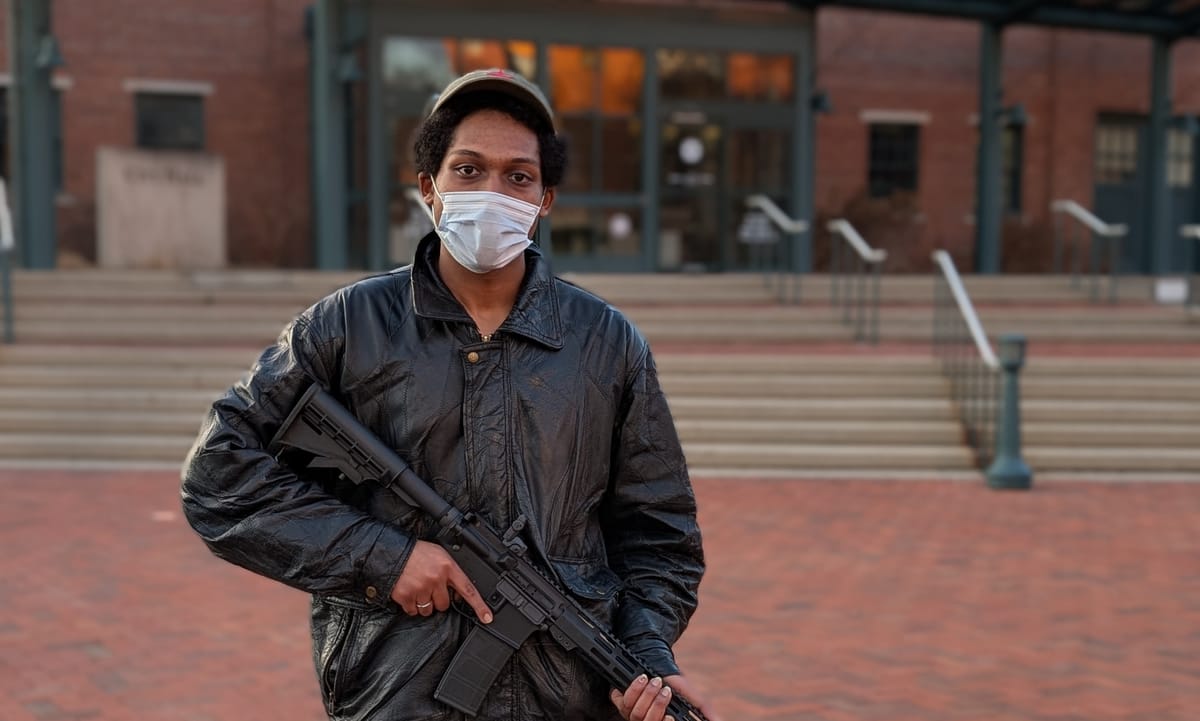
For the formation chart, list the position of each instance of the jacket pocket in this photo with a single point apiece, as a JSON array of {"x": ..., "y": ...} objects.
[
  {"x": 375, "y": 663},
  {"x": 593, "y": 584},
  {"x": 334, "y": 624}
]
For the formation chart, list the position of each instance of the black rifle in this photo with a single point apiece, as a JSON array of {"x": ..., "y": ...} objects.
[{"x": 522, "y": 598}]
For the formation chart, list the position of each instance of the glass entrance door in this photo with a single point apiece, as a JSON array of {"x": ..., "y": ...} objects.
[
  {"x": 691, "y": 207},
  {"x": 711, "y": 163}
]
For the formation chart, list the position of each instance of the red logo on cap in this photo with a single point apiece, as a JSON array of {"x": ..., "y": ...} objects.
[{"x": 500, "y": 74}]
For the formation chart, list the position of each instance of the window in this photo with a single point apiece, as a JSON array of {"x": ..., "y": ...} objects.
[
  {"x": 169, "y": 121},
  {"x": 691, "y": 75},
  {"x": 597, "y": 95},
  {"x": 742, "y": 76},
  {"x": 756, "y": 77},
  {"x": 1179, "y": 158},
  {"x": 1116, "y": 152},
  {"x": 893, "y": 156},
  {"x": 1013, "y": 152}
]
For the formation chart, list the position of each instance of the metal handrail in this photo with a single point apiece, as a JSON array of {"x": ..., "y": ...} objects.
[
  {"x": 785, "y": 222},
  {"x": 966, "y": 308},
  {"x": 6, "y": 249},
  {"x": 792, "y": 227},
  {"x": 975, "y": 374},
  {"x": 1193, "y": 296},
  {"x": 853, "y": 302},
  {"x": 1107, "y": 233},
  {"x": 1085, "y": 216}
]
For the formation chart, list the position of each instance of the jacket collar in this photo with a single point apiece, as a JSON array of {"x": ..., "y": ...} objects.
[{"x": 535, "y": 314}]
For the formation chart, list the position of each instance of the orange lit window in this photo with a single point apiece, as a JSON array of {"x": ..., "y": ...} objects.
[{"x": 760, "y": 77}]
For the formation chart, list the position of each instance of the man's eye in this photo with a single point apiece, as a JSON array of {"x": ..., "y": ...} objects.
[
  {"x": 520, "y": 178},
  {"x": 467, "y": 170}
]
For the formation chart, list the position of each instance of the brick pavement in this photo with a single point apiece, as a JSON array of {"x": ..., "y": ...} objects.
[{"x": 826, "y": 601}]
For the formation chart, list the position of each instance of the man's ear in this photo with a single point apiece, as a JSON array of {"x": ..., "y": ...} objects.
[
  {"x": 547, "y": 203},
  {"x": 425, "y": 184}
]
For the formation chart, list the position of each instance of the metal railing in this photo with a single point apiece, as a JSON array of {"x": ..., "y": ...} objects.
[
  {"x": 853, "y": 265},
  {"x": 777, "y": 271},
  {"x": 1192, "y": 302},
  {"x": 984, "y": 387},
  {"x": 1100, "y": 237},
  {"x": 6, "y": 251}
]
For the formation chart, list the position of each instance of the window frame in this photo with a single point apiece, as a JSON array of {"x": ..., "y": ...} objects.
[
  {"x": 909, "y": 177},
  {"x": 150, "y": 95}
]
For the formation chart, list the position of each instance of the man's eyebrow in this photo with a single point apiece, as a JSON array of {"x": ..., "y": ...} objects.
[{"x": 519, "y": 160}]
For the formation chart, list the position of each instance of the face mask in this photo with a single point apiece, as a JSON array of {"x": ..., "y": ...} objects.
[{"x": 483, "y": 230}]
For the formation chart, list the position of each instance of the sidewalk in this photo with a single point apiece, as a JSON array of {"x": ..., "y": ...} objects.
[{"x": 825, "y": 601}]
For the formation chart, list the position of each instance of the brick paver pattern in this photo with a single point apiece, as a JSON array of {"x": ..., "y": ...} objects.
[{"x": 825, "y": 601}]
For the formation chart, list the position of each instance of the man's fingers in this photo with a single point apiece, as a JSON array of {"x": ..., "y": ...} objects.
[
  {"x": 618, "y": 700},
  {"x": 441, "y": 598},
  {"x": 649, "y": 700},
  {"x": 467, "y": 591}
]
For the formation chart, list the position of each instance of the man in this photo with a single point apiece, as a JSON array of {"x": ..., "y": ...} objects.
[{"x": 515, "y": 395}]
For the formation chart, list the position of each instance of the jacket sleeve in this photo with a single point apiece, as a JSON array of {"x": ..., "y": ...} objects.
[
  {"x": 651, "y": 532},
  {"x": 252, "y": 511}
]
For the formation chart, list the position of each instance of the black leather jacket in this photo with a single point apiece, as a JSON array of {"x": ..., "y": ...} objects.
[{"x": 559, "y": 416}]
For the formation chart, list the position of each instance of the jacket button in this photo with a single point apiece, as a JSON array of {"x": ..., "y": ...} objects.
[
  {"x": 372, "y": 592},
  {"x": 472, "y": 357}
]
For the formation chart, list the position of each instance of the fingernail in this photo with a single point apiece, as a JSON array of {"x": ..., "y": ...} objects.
[
  {"x": 666, "y": 692},
  {"x": 487, "y": 618},
  {"x": 640, "y": 679},
  {"x": 656, "y": 682}
]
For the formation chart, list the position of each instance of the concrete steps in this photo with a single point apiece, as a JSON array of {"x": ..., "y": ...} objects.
[
  {"x": 775, "y": 413},
  {"x": 119, "y": 368},
  {"x": 250, "y": 308}
]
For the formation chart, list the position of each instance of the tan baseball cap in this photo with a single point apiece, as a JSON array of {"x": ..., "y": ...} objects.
[{"x": 502, "y": 81}]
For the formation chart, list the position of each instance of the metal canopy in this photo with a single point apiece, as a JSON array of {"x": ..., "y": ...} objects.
[{"x": 1170, "y": 19}]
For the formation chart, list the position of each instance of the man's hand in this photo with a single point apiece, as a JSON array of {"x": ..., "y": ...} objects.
[
  {"x": 428, "y": 579},
  {"x": 647, "y": 699}
]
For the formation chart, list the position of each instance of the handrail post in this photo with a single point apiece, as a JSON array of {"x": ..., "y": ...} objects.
[
  {"x": 1058, "y": 242},
  {"x": 1192, "y": 231},
  {"x": 1077, "y": 257},
  {"x": 834, "y": 267},
  {"x": 1114, "y": 261},
  {"x": 793, "y": 229},
  {"x": 6, "y": 287},
  {"x": 1094, "y": 251},
  {"x": 1008, "y": 470},
  {"x": 860, "y": 322},
  {"x": 7, "y": 243},
  {"x": 875, "y": 305}
]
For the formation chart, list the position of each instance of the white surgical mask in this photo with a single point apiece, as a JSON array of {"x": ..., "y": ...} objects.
[{"x": 483, "y": 230}]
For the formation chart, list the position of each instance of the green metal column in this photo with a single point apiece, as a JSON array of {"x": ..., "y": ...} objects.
[
  {"x": 988, "y": 168},
  {"x": 545, "y": 228},
  {"x": 651, "y": 157},
  {"x": 329, "y": 145},
  {"x": 379, "y": 153},
  {"x": 33, "y": 53},
  {"x": 804, "y": 149},
  {"x": 1157, "y": 210}
]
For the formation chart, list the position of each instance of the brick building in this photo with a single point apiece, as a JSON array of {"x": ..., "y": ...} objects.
[{"x": 675, "y": 112}]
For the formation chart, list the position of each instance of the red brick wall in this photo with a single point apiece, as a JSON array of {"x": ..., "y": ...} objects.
[
  {"x": 254, "y": 55},
  {"x": 1064, "y": 78}
]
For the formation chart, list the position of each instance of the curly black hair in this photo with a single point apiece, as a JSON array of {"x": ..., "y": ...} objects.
[{"x": 434, "y": 136}]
